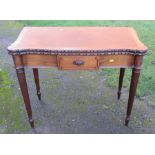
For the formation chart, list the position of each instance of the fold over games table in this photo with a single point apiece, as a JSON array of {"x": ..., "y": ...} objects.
[{"x": 77, "y": 48}]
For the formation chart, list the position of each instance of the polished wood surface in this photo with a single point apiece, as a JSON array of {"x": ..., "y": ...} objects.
[
  {"x": 84, "y": 63},
  {"x": 71, "y": 62},
  {"x": 77, "y": 38},
  {"x": 32, "y": 60},
  {"x": 133, "y": 86},
  {"x": 91, "y": 62},
  {"x": 77, "y": 48},
  {"x": 116, "y": 61},
  {"x": 23, "y": 85}
]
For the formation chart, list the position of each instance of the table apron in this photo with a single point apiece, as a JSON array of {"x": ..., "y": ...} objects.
[{"x": 73, "y": 62}]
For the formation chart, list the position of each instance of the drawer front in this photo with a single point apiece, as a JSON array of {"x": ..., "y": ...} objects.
[
  {"x": 32, "y": 60},
  {"x": 78, "y": 62},
  {"x": 115, "y": 61}
]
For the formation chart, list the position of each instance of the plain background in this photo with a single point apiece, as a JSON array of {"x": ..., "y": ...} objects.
[{"x": 74, "y": 10}]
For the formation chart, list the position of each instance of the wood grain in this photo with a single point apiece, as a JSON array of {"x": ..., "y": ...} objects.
[
  {"x": 116, "y": 61},
  {"x": 68, "y": 62},
  {"x": 32, "y": 60}
]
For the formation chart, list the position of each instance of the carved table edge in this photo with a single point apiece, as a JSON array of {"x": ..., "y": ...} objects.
[{"x": 78, "y": 52}]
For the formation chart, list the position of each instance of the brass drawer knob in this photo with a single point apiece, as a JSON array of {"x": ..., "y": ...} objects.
[
  {"x": 111, "y": 60},
  {"x": 78, "y": 62}
]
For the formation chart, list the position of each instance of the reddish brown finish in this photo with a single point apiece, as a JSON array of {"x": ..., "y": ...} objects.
[
  {"x": 35, "y": 61},
  {"x": 116, "y": 61},
  {"x": 36, "y": 79},
  {"x": 133, "y": 86},
  {"x": 32, "y": 60},
  {"x": 18, "y": 61},
  {"x": 121, "y": 76},
  {"x": 71, "y": 62},
  {"x": 81, "y": 48},
  {"x": 77, "y": 38},
  {"x": 23, "y": 85}
]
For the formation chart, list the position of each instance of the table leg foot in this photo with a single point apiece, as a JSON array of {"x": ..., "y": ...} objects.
[
  {"x": 39, "y": 95},
  {"x": 31, "y": 121},
  {"x": 118, "y": 95},
  {"x": 127, "y": 121}
]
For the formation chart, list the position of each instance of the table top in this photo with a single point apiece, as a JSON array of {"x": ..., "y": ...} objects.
[{"x": 101, "y": 40}]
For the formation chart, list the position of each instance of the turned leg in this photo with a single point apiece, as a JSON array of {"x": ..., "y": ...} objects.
[
  {"x": 132, "y": 93},
  {"x": 121, "y": 76},
  {"x": 23, "y": 85},
  {"x": 36, "y": 78}
]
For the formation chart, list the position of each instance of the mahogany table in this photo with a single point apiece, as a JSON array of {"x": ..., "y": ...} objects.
[{"x": 77, "y": 48}]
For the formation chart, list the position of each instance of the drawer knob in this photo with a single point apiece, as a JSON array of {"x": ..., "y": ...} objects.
[
  {"x": 78, "y": 62},
  {"x": 111, "y": 60}
]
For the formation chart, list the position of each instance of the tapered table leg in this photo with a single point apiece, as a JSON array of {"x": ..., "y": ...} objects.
[
  {"x": 132, "y": 93},
  {"x": 23, "y": 85},
  {"x": 121, "y": 76},
  {"x": 36, "y": 78}
]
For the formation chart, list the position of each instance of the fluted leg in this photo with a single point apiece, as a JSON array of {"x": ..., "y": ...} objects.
[
  {"x": 121, "y": 76},
  {"x": 36, "y": 78},
  {"x": 23, "y": 85},
  {"x": 132, "y": 93}
]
